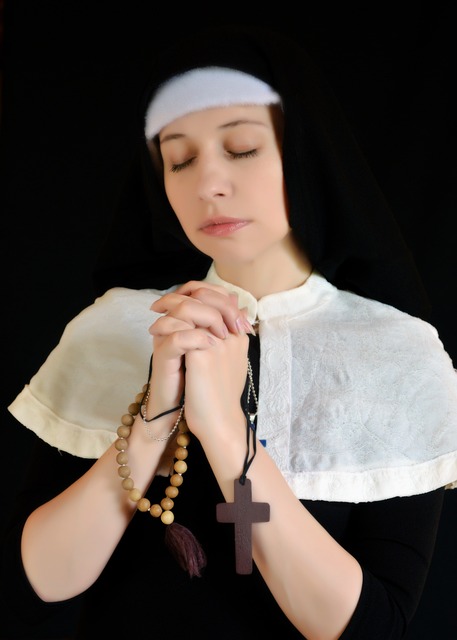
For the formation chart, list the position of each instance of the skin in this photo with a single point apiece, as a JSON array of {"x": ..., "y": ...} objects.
[{"x": 220, "y": 166}]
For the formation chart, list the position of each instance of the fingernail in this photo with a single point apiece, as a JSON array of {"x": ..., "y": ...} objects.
[
  {"x": 249, "y": 327},
  {"x": 240, "y": 325},
  {"x": 244, "y": 326}
]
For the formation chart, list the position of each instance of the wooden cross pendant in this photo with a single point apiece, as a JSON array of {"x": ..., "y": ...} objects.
[{"x": 243, "y": 512}]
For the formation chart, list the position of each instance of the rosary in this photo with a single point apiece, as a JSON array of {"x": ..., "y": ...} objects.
[{"x": 243, "y": 512}]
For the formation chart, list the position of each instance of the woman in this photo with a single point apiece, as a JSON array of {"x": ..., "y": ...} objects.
[{"x": 299, "y": 411}]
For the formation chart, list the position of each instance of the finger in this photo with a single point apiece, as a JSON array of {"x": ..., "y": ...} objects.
[
  {"x": 180, "y": 343},
  {"x": 226, "y": 301},
  {"x": 216, "y": 297},
  {"x": 188, "y": 287},
  {"x": 192, "y": 312},
  {"x": 235, "y": 318},
  {"x": 167, "y": 324},
  {"x": 215, "y": 379}
]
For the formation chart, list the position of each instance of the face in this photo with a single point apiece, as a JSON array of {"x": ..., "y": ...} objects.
[{"x": 223, "y": 177}]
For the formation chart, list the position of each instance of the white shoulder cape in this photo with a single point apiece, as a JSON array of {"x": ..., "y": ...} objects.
[{"x": 358, "y": 401}]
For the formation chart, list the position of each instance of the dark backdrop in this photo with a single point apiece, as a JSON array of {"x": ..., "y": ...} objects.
[{"x": 72, "y": 76}]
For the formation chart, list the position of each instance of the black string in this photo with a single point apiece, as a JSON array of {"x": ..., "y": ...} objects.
[
  {"x": 251, "y": 429},
  {"x": 164, "y": 413}
]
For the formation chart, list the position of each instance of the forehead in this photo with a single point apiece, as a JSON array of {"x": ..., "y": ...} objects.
[{"x": 218, "y": 119}]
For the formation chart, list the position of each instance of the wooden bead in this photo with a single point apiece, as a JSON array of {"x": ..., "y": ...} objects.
[
  {"x": 171, "y": 491},
  {"x": 167, "y": 517},
  {"x": 180, "y": 466},
  {"x": 155, "y": 510},
  {"x": 181, "y": 453},
  {"x": 124, "y": 471},
  {"x": 143, "y": 504},
  {"x": 127, "y": 484},
  {"x": 121, "y": 444},
  {"x": 167, "y": 504},
  {"x": 183, "y": 439},
  {"x": 176, "y": 480},
  {"x": 133, "y": 408},
  {"x": 122, "y": 457},
  {"x": 162, "y": 510},
  {"x": 135, "y": 495},
  {"x": 123, "y": 431},
  {"x": 127, "y": 419}
]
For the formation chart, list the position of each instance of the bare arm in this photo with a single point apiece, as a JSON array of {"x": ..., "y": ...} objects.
[
  {"x": 315, "y": 580},
  {"x": 67, "y": 541}
]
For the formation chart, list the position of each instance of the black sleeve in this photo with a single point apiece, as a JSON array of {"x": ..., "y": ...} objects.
[
  {"x": 22, "y": 610},
  {"x": 393, "y": 540}
]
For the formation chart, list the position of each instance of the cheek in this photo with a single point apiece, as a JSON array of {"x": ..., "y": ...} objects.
[
  {"x": 180, "y": 204},
  {"x": 174, "y": 195},
  {"x": 169, "y": 190},
  {"x": 274, "y": 195}
]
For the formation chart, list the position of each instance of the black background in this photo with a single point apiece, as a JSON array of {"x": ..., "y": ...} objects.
[{"x": 72, "y": 74}]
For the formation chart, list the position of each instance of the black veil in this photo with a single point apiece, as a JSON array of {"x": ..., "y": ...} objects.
[{"x": 337, "y": 210}]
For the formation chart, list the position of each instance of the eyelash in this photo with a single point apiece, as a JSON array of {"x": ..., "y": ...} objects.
[{"x": 176, "y": 168}]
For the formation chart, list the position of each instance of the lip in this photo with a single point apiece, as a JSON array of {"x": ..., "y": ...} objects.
[{"x": 223, "y": 226}]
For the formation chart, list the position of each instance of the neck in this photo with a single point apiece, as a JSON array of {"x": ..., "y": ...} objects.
[{"x": 269, "y": 274}]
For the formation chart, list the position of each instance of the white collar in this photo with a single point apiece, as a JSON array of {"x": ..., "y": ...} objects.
[{"x": 315, "y": 291}]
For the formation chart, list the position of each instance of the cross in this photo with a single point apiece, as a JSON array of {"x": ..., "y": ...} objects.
[{"x": 243, "y": 512}]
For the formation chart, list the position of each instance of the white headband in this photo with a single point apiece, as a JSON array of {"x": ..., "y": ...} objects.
[{"x": 203, "y": 88}]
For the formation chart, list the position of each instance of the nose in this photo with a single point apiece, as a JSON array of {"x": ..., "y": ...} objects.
[{"x": 214, "y": 179}]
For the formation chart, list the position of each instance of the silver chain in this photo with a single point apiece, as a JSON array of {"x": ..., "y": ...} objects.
[{"x": 251, "y": 388}]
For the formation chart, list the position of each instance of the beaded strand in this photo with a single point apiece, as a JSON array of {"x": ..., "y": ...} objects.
[{"x": 164, "y": 509}]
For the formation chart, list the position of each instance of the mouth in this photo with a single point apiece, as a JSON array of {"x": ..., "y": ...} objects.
[{"x": 223, "y": 226}]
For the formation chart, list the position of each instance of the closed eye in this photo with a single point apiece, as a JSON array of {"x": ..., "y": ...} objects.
[
  {"x": 176, "y": 168},
  {"x": 243, "y": 154}
]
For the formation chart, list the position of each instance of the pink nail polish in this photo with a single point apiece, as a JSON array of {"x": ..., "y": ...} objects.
[
  {"x": 249, "y": 327},
  {"x": 240, "y": 325}
]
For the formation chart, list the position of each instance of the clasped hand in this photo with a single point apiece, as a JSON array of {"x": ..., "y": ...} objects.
[{"x": 200, "y": 347}]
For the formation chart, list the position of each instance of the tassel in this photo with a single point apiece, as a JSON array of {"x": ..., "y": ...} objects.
[{"x": 185, "y": 548}]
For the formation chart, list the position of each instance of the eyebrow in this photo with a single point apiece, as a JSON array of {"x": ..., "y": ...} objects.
[{"x": 226, "y": 125}]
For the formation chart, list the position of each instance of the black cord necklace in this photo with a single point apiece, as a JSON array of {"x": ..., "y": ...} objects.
[{"x": 243, "y": 512}]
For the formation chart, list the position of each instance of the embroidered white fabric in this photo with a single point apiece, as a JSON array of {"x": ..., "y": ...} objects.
[{"x": 358, "y": 401}]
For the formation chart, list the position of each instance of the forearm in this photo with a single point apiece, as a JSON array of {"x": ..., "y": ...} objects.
[
  {"x": 313, "y": 579},
  {"x": 67, "y": 541}
]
